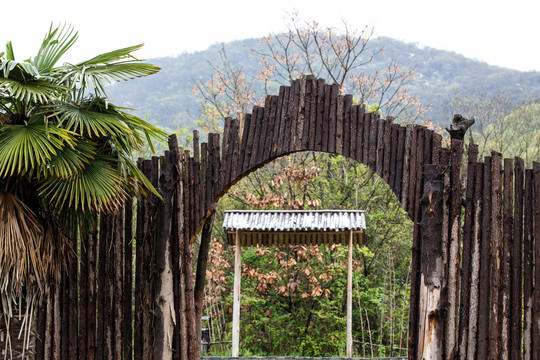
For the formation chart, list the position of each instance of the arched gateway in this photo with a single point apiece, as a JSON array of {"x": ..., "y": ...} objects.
[{"x": 466, "y": 294}]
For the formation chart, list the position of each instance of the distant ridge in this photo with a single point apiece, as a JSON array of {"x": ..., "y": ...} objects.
[{"x": 167, "y": 96}]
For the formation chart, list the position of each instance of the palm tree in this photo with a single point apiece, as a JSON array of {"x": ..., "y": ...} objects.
[{"x": 65, "y": 154}]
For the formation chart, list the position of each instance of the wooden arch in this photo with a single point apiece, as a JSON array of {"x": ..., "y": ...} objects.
[
  {"x": 472, "y": 282},
  {"x": 311, "y": 115}
]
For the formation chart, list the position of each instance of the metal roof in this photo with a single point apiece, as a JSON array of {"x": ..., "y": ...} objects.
[{"x": 306, "y": 227}]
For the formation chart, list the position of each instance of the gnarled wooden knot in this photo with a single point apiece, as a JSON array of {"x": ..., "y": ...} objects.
[{"x": 459, "y": 127}]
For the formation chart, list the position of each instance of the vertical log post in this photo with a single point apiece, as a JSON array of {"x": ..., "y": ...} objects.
[
  {"x": 431, "y": 323},
  {"x": 349, "y": 352},
  {"x": 236, "y": 296}
]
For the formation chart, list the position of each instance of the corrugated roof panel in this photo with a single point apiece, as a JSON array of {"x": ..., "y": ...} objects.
[{"x": 307, "y": 220}]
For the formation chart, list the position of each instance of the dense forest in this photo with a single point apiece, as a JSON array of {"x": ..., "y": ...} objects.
[{"x": 293, "y": 298}]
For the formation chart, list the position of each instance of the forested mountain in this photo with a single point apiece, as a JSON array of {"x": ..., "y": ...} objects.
[{"x": 167, "y": 98}]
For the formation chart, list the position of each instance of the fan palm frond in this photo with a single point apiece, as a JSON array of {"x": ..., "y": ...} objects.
[
  {"x": 70, "y": 160},
  {"x": 55, "y": 44},
  {"x": 96, "y": 187},
  {"x": 24, "y": 148},
  {"x": 113, "y": 66},
  {"x": 31, "y": 90},
  {"x": 86, "y": 120}
]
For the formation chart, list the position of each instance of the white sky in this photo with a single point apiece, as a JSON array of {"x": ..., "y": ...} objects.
[{"x": 504, "y": 33}]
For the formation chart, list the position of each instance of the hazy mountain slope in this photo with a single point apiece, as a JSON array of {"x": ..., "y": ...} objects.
[{"x": 166, "y": 97}]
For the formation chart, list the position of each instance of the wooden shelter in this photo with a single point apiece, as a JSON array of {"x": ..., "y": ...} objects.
[{"x": 292, "y": 227}]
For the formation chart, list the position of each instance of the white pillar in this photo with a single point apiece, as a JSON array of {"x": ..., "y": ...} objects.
[
  {"x": 349, "y": 352},
  {"x": 236, "y": 296}
]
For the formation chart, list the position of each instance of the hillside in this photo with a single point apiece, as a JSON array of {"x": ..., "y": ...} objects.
[{"x": 167, "y": 98}]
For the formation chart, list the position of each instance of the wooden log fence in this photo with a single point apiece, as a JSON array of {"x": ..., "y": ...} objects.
[{"x": 130, "y": 292}]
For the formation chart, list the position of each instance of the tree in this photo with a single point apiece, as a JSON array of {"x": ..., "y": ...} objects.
[{"x": 65, "y": 155}]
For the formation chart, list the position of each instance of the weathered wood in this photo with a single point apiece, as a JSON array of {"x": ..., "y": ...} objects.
[
  {"x": 536, "y": 294},
  {"x": 269, "y": 133},
  {"x": 242, "y": 166},
  {"x": 431, "y": 323},
  {"x": 57, "y": 346},
  {"x": 506, "y": 280},
  {"x": 108, "y": 330},
  {"x": 476, "y": 236},
  {"x": 278, "y": 131},
  {"x": 516, "y": 264},
  {"x": 467, "y": 253},
  {"x": 290, "y": 117},
  {"x": 436, "y": 148},
  {"x": 321, "y": 120},
  {"x": 227, "y": 151},
  {"x": 367, "y": 136},
  {"x": 373, "y": 136},
  {"x": 359, "y": 141},
  {"x": 236, "y": 296},
  {"x": 495, "y": 323},
  {"x": 528, "y": 267},
  {"x": 251, "y": 139},
  {"x": 454, "y": 244},
  {"x": 400, "y": 161},
  {"x": 137, "y": 328},
  {"x": 40, "y": 330},
  {"x": 102, "y": 251},
  {"x": 257, "y": 149},
  {"x": 332, "y": 118},
  {"x": 300, "y": 104},
  {"x": 485, "y": 267},
  {"x": 413, "y": 171},
  {"x": 127, "y": 338},
  {"x": 216, "y": 168},
  {"x": 118, "y": 314},
  {"x": 164, "y": 302},
  {"x": 83, "y": 297},
  {"x": 181, "y": 240},
  {"x": 387, "y": 150},
  {"x": 349, "y": 350},
  {"x": 380, "y": 147},
  {"x": 348, "y": 129},
  {"x": 312, "y": 135},
  {"x": 394, "y": 138},
  {"x": 407, "y": 167},
  {"x": 326, "y": 117},
  {"x": 428, "y": 146},
  {"x": 205, "y": 168},
  {"x": 305, "y": 139},
  {"x": 49, "y": 324},
  {"x": 340, "y": 109}
]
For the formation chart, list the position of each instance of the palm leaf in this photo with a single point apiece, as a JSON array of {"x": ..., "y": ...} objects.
[
  {"x": 86, "y": 120},
  {"x": 55, "y": 44},
  {"x": 70, "y": 160},
  {"x": 97, "y": 186},
  {"x": 31, "y": 90},
  {"x": 113, "y": 66},
  {"x": 26, "y": 147}
]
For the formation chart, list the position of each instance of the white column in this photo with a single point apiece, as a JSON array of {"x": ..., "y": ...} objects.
[
  {"x": 349, "y": 352},
  {"x": 236, "y": 296}
]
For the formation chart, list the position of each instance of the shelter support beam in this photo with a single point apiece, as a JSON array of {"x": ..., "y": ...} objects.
[
  {"x": 236, "y": 296},
  {"x": 349, "y": 351}
]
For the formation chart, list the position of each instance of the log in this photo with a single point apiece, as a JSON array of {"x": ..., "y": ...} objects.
[
  {"x": 139, "y": 232},
  {"x": 407, "y": 167},
  {"x": 127, "y": 338},
  {"x": 373, "y": 136},
  {"x": 516, "y": 264},
  {"x": 321, "y": 120},
  {"x": 164, "y": 302},
  {"x": 506, "y": 279},
  {"x": 359, "y": 142},
  {"x": 380, "y": 147},
  {"x": 476, "y": 239},
  {"x": 536, "y": 294},
  {"x": 367, "y": 136},
  {"x": 467, "y": 253},
  {"x": 454, "y": 245},
  {"x": 495, "y": 323},
  {"x": 528, "y": 267},
  {"x": 332, "y": 118},
  {"x": 340, "y": 124},
  {"x": 394, "y": 138},
  {"x": 387, "y": 150},
  {"x": 485, "y": 268},
  {"x": 349, "y": 128},
  {"x": 400, "y": 161},
  {"x": 118, "y": 243},
  {"x": 431, "y": 323},
  {"x": 83, "y": 298},
  {"x": 301, "y": 122}
]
